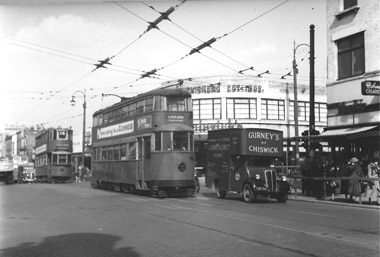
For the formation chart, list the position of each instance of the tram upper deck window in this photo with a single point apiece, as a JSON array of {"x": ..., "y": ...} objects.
[
  {"x": 124, "y": 112},
  {"x": 117, "y": 114},
  {"x": 106, "y": 118},
  {"x": 159, "y": 103},
  {"x": 140, "y": 107},
  {"x": 132, "y": 110},
  {"x": 175, "y": 104},
  {"x": 149, "y": 104},
  {"x": 97, "y": 120},
  {"x": 111, "y": 117},
  {"x": 62, "y": 134}
]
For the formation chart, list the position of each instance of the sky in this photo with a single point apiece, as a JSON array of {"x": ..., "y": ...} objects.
[{"x": 48, "y": 50}]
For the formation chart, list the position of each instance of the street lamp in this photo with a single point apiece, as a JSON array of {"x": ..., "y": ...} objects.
[
  {"x": 296, "y": 100},
  {"x": 84, "y": 119}
]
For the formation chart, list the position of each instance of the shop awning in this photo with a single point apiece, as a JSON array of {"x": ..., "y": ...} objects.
[
  {"x": 335, "y": 133},
  {"x": 345, "y": 131}
]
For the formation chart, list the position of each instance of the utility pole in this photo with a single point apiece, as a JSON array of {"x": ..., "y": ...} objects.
[
  {"x": 84, "y": 122},
  {"x": 295, "y": 71},
  {"x": 312, "y": 89}
]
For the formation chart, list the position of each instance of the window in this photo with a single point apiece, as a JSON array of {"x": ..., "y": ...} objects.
[
  {"x": 62, "y": 158},
  {"x": 157, "y": 141},
  {"x": 207, "y": 109},
  {"x": 110, "y": 153},
  {"x": 175, "y": 104},
  {"x": 98, "y": 120},
  {"x": 351, "y": 56},
  {"x": 140, "y": 107},
  {"x": 180, "y": 141},
  {"x": 62, "y": 135},
  {"x": 123, "y": 152},
  {"x": 111, "y": 116},
  {"x": 104, "y": 153},
  {"x": 272, "y": 109},
  {"x": 132, "y": 110},
  {"x": 117, "y": 114},
  {"x": 147, "y": 149},
  {"x": 167, "y": 141},
  {"x": 349, "y": 3},
  {"x": 159, "y": 103},
  {"x": 149, "y": 104},
  {"x": 320, "y": 111},
  {"x": 124, "y": 112},
  {"x": 131, "y": 151},
  {"x": 241, "y": 108},
  {"x": 106, "y": 118},
  {"x": 116, "y": 153}
]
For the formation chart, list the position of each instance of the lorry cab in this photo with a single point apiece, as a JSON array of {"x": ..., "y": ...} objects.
[{"x": 242, "y": 160}]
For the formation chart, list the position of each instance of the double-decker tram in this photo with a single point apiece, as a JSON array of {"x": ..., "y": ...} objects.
[
  {"x": 145, "y": 144},
  {"x": 54, "y": 147}
]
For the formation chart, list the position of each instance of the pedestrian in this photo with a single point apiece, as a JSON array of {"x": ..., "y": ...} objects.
[
  {"x": 373, "y": 187},
  {"x": 354, "y": 188},
  {"x": 346, "y": 170},
  {"x": 306, "y": 173}
]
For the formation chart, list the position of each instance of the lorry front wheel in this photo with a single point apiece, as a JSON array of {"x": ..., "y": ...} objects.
[
  {"x": 247, "y": 193},
  {"x": 220, "y": 193}
]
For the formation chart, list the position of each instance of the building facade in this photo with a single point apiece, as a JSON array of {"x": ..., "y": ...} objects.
[
  {"x": 353, "y": 87},
  {"x": 252, "y": 102}
]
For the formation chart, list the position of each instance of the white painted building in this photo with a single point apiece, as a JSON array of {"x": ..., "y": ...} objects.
[{"x": 252, "y": 102}]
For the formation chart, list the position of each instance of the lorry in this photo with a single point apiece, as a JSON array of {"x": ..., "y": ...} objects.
[{"x": 242, "y": 160}]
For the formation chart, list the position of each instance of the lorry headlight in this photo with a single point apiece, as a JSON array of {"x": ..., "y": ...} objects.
[
  {"x": 257, "y": 176},
  {"x": 283, "y": 178}
]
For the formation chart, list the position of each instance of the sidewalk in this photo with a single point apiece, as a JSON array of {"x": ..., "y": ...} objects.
[{"x": 339, "y": 199}]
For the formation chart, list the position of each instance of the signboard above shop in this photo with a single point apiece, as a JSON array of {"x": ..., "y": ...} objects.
[{"x": 371, "y": 87}]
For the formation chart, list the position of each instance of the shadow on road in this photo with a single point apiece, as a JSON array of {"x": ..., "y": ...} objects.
[{"x": 73, "y": 245}]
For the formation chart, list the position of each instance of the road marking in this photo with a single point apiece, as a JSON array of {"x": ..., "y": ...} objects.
[
  {"x": 297, "y": 231},
  {"x": 181, "y": 207},
  {"x": 135, "y": 199},
  {"x": 193, "y": 202},
  {"x": 166, "y": 206},
  {"x": 316, "y": 214}
]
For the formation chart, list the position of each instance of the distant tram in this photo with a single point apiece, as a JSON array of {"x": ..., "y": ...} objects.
[
  {"x": 54, "y": 148},
  {"x": 145, "y": 144}
]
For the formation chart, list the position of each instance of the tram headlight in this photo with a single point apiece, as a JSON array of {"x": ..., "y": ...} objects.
[{"x": 182, "y": 167}]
